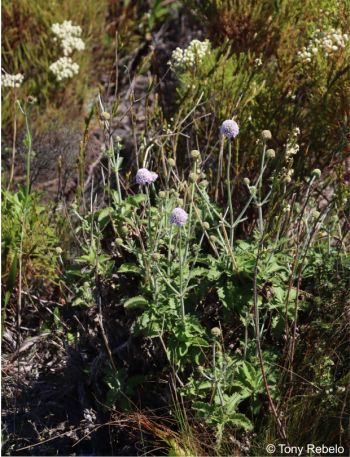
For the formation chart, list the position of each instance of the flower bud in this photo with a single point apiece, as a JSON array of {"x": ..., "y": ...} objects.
[
  {"x": 194, "y": 177},
  {"x": 316, "y": 173},
  {"x": 246, "y": 181},
  {"x": 266, "y": 135},
  {"x": 119, "y": 242},
  {"x": 171, "y": 162},
  {"x": 59, "y": 250},
  {"x": 125, "y": 229},
  {"x": 162, "y": 194},
  {"x": 204, "y": 184},
  {"x": 180, "y": 201},
  {"x": 270, "y": 153},
  {"x": 156, "y": 256},
  {"x": 216, "y": 332},
  {"x": 252, "y": 190},
  {"x": 104, "y": 116},
  {"x": 315, "y": 214},
  {"x": 195, "y": 154},
  {"x": 206, "y": 225}
]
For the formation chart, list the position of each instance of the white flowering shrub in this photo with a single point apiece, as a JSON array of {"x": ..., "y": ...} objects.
[
  {"x": 323, "y": 43},
  {"x": 64, "y": 68},
  {"x": 12, "y": 80},
  {"x": 184, "y": 59}
]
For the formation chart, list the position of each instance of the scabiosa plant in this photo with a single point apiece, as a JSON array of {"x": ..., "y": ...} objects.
[
  {"x": 229, "y": 129},
  {"x": 178, "y": 217}
]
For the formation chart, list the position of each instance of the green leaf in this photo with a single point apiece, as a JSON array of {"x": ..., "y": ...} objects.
[
  {"x": 241, "y": 421},
  {"x": 135, "y": 302},
  {"x": 129, "y": 268},
  {"x": 136, "y": 200}
]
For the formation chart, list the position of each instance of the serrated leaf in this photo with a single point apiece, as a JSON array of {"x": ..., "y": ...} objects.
[{"x": 241, "y": 421}]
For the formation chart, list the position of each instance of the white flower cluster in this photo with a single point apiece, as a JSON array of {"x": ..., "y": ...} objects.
[
  {"x": 182, "y": 59},
  {"x": 326, "y": 42},
  {"x": 64, "y": 68},
  {"x": 11, "y": 80},
  {"x": 69, "y": 35},
  {"x": 292, "y": 146}
]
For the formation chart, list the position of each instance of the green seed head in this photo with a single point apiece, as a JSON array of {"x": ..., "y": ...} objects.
[
  {"x": 195, "y": 154},
  {"x": 266, "y": 135},
  {"x": 316, "y": 172},
  {"x": 105, "y": 116},
  {"x": 252, "y": 190},
  {"x": 216, "y": 332},
  {"x": 270, "y": 153},
  {"x": 194, "y": 177}
]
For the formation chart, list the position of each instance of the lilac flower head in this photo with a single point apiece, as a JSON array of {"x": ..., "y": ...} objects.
[
  {"x": 178, "y": 217},
  {"x": 229, "y": 129},
  {"x": 144, "y": 176}
]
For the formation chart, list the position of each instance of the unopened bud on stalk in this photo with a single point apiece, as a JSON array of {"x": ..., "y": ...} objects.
[
  {"x": 213, "y": 238},
  {"x": 162, "y": 194},
  {"x": 180, "y": 201},
  {"x": 270, "y": 153},
  {"x": 252, "y": 190},
  {"x": 171, "y": 162},
  {"x": 119, "y": 242},
  {"x": 156, "y": 256},
  {"x": 104, "y": 116},
  {"x": 194, "y": 177},
  {"x": 246, "y": 181},
  {"x": 125, "y": 229},
  {"x": 59, "y": 250},
  {"x": 216, "y": 332},
  {"x": 206, "y": 225},
  {"x": 315, "y": 214},
  {"x": 266, "y": 135},
  {"x": 195, "y": 154},
  {"x": 286, "y": 209},
  {"x": 204, "y": 183},
  {"x": 316, "y": 172}
]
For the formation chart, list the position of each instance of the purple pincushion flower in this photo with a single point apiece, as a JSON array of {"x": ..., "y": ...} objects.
[
  {"x": 178, "y": 217},
  {"x": 229, "y": 129},
  {"x": 144, "y": 176}
]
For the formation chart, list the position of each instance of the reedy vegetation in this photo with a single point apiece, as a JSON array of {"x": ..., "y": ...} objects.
[{"x": 231, "y": 298}]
